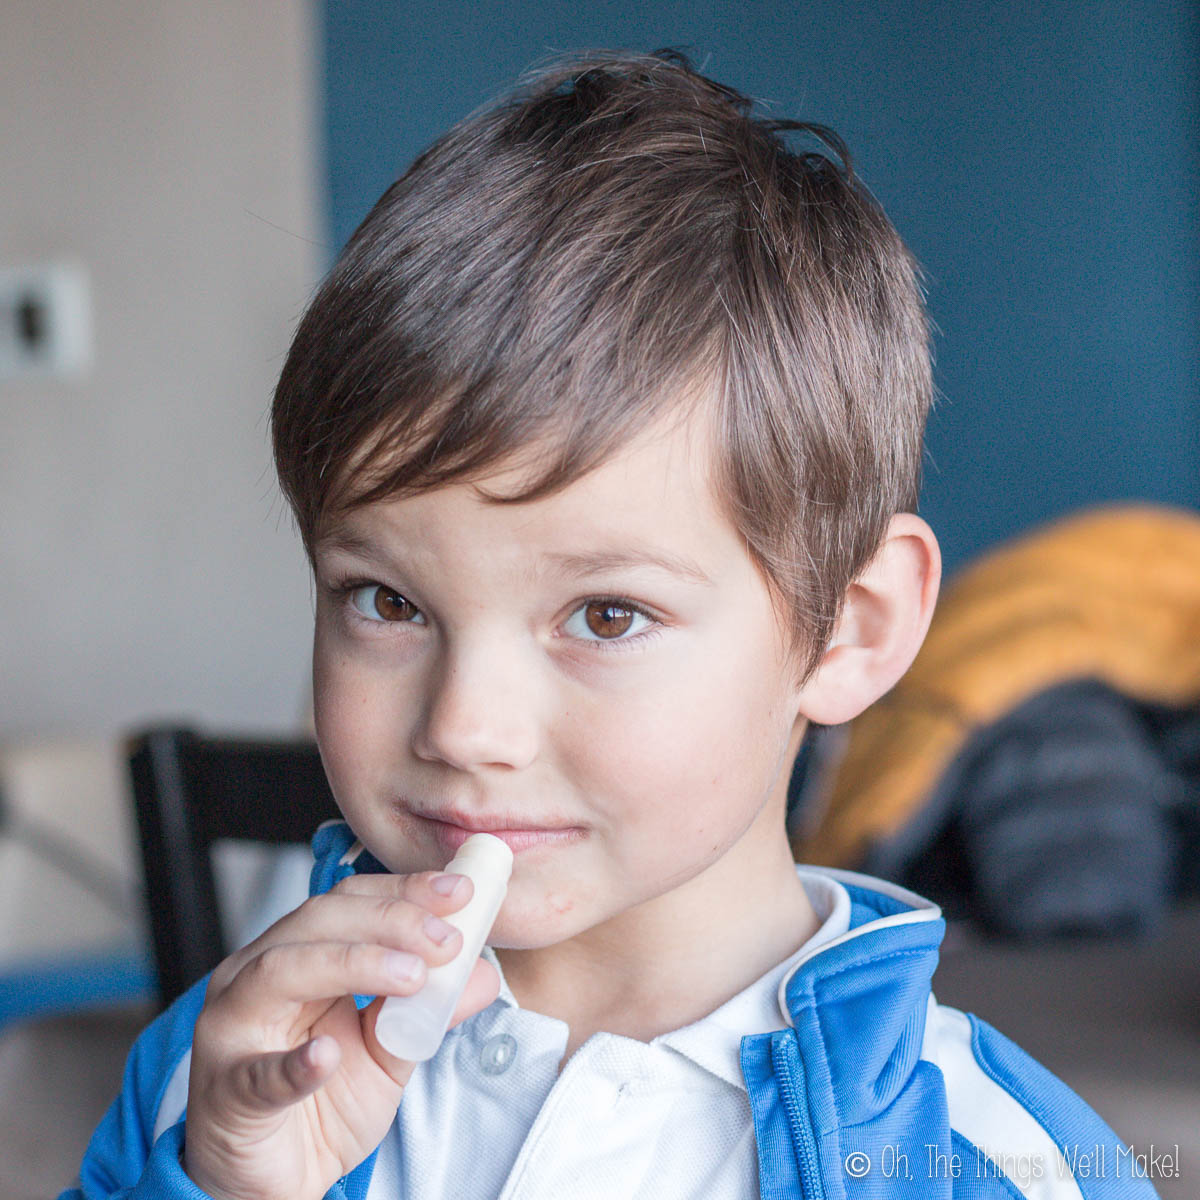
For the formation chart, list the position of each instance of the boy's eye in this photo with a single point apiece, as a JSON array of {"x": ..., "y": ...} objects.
[
  {"x": 605, "y": 620},
  {"x": 378, "y": 603}
]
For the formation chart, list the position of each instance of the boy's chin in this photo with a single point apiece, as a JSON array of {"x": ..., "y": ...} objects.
[{"x": 531, "y": 927}]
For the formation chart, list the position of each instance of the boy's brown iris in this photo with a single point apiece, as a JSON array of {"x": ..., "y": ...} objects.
[
  {"x": 391, "y": 606},
  {"x": 613, "y": 620}
]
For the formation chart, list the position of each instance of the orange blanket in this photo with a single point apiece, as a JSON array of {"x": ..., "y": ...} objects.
[{"x": 1111, "y": 593}]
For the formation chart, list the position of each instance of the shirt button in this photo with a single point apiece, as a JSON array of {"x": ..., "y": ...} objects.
[{"x": 497, "y": 1054}]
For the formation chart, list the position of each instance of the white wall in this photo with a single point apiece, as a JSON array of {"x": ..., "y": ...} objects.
[{"x": 148, "y": 566}]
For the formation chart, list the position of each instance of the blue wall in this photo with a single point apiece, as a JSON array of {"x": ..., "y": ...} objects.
[{"x": 1042, "y": 160}]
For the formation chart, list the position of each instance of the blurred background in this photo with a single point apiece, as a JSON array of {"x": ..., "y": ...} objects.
[{"x": 177, "y": 178}]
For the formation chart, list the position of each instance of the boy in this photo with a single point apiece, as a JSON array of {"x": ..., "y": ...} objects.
[{"x": 603, "y": 438}]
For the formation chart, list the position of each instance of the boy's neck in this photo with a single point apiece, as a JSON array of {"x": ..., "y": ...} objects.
[{"x": 629, "y": 982}]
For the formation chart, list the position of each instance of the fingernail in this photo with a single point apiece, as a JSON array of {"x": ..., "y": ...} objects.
[
  {"x": 445, "y": 884},
  {"x": 313, "y": 1053},
  {"x": 437, "y": 929},
  {"x": 402, "y": 965}
]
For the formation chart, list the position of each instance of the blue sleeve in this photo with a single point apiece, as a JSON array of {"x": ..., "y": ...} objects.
[
  {"x": 1075, "y": 1127},
  {"x": 120, "y": 1160}
]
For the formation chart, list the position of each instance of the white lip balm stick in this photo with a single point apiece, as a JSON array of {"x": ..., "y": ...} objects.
[{"x": 412, "y": 1027}]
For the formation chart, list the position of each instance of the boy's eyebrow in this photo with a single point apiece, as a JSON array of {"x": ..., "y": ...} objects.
[
  {"x": 348, "y": 540},
  {"x": 608, "y": 560},
  {"x": 616, "y": 559},
  {"x": 342, "y": 538}
]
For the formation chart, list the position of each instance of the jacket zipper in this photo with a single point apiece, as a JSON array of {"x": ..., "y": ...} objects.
[{"x": 787, "y": 1068}]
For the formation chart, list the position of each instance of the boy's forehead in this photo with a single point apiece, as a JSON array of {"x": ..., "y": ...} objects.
[
  {"x": 646, "y": 499},
  {"x": 672, "y": 450}
]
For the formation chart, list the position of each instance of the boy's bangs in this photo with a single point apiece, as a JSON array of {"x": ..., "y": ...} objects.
[{"x": 549, "y": 426}]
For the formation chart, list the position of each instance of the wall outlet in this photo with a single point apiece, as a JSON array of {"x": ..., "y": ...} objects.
[{"x": 45, "y": 321}]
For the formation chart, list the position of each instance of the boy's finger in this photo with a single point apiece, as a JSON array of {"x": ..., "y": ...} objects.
[
  {"x": 372, "y": 919},
  {"x": 320, "y": 919},
  {"x": 419, "y": 888},
  {"x": 271, "y": 987},
  {"x": 270, "y": 1082}
]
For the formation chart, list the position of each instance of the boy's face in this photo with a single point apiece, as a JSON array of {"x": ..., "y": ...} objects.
[{"x": 527, "y": 663}]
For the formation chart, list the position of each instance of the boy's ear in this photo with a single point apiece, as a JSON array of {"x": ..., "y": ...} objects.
[{"x": 884, "y": 621}]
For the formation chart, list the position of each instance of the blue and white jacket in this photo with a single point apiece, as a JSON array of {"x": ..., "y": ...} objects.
[{"x": 872, "y": 1091}]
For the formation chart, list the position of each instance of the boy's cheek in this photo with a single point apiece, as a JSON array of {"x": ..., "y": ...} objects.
[
  {"x": 340, "y": 682},
  {"x": 349, "y": 723}
]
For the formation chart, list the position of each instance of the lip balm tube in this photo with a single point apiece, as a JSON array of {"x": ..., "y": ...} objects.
[{"x": 412, "y": 1027}]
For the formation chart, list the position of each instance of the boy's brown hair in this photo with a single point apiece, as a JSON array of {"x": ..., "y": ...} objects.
[{"x": 614, "y": 239}]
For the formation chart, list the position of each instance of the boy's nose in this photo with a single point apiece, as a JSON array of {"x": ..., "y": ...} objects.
[{"x": 478, "y": 710}]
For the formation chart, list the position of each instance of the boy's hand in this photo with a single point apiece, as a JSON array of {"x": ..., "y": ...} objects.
[{"x": 289, "y": 1090}]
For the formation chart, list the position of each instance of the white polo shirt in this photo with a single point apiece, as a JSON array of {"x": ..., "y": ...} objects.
[{"x": 489, "y": 1118}]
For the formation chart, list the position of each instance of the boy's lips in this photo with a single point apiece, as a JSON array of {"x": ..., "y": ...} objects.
[{"x": 454, "y": 829}]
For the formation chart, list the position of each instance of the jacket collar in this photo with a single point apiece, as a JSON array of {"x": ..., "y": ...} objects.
[{"x": 858, "y": 1003}]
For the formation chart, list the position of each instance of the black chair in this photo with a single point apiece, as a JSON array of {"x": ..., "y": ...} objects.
[{"x": 191, "y": 790}]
